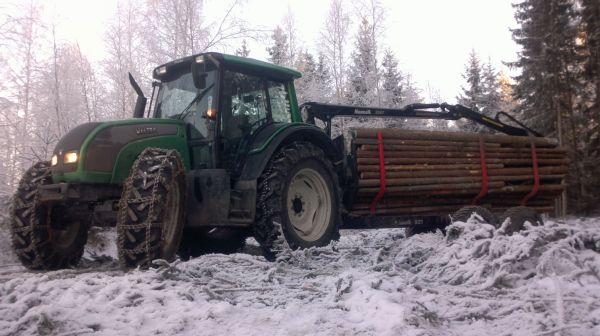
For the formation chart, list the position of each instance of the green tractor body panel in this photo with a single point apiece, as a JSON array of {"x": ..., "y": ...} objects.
[{"x": 110, "y": 148}]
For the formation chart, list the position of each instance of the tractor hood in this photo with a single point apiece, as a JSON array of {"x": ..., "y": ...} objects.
[{"x": 95, "y": 149}]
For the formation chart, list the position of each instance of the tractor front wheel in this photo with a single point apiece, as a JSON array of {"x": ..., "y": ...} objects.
[
  {"x": 43, "y": 238},
  {"x": 298, "y": 200},
  {"x": 151, "y": 210}
]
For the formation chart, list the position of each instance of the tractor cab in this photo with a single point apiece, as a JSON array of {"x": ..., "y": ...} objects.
[{"x": 225, "y": 101}]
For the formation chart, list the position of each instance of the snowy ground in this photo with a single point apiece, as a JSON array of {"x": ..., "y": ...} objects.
[{"x": 475, "y": 281}]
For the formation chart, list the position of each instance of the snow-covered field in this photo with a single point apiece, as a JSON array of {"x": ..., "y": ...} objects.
[{"x": 474, "y": 281}]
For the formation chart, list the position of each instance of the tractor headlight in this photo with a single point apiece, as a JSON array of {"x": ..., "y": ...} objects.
[
  {"x": 54, "y": 160},
  {"x": 71, "y": 157}
]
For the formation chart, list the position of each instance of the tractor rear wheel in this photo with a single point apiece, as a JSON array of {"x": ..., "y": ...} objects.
[
  {"x": 518, "y": 216},
  {"x": 151, "y": 210},
  {"x": 43, "y": 238},
  {"x": 298, "y": 201}
]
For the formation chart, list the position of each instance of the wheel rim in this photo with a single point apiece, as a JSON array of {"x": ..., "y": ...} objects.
[
  {"x": 170, "y": 225},
  {"x": 309, "y": 204},
  {"x": 63, "y": 237}
]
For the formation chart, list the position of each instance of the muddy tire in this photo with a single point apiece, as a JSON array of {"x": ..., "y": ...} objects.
[
  {"x": 199, "y": 241},
  {"x": 298, "y": 201},
  {"x": 41, "y": 239},
  {"x": 463, "y": 214},
  {"x": 518, "y": 216},
  {"x": 151, "y": 210}
]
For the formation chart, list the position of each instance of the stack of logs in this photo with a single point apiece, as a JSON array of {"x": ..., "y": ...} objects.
[{"x": 429, "y": 172}]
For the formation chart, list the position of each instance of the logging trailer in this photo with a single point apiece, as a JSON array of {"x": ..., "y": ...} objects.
[{"x": 225, "y": 152}]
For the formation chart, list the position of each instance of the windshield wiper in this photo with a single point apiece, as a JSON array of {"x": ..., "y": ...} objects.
[{"x": 186, "y": 110}]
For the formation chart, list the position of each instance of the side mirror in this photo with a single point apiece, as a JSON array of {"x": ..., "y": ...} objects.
[
  {"x": 140, "y": 103},
  {"x": 199, "y": 75}
]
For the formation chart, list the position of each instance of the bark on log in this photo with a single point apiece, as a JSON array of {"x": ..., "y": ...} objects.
[
  {"x": 549, "y": 170},
  {"x": 453, "y": 154},
  {"x": 473, "y": 148},
  {"x": 434, "y": 161},
  {"x": 449, "y": 180},
  {"x": 424, "y": 167},
  {"x": 371, "y": 133}
]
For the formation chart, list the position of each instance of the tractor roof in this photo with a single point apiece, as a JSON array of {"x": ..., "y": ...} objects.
[{"x": 242, "y": 63}]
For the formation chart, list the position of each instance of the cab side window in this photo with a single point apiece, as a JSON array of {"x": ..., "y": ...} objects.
[
  {"x": 244, "y": 104},
  {"x": 280, "y": 102}
]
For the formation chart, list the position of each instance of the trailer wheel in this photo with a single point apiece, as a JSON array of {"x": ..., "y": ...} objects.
[
  {"x": 463, "y": 214},
  {"x": 518, "y": 216},
  {"x": 40, "y": 239},
  {"x": 298, "y": 202},
  {"x": 199, "y": 241},
  {"x": 151, "y": 210},
  {"x": 415, "y": 230}
]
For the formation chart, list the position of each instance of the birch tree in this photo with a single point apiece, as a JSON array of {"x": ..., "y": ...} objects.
[
  {"x": 22, "y": 38},
  {"x": 333, "y": 43},
  {"x": 125, "y": 46}
]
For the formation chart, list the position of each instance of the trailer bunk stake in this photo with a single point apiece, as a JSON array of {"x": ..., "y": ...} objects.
[
  {"x": 382, "y": 182},
  {"x": 484, "y": 172}
]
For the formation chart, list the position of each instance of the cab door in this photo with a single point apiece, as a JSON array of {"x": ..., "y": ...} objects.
[{"x": 248, "y": 102}]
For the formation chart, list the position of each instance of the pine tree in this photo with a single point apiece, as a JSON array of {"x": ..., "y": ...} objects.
[
  {"x": 392, "y": 90},
  {"x": 279, "y": 49},
  {"x": 243, "y": 51},
  {"x": 362, "y": 79}
]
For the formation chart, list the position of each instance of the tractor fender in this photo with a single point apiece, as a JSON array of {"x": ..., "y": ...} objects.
[{"x": 272, "y": 138}]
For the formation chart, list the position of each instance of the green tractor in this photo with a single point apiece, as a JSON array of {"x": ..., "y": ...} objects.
[{"x": 223, "y": 154}]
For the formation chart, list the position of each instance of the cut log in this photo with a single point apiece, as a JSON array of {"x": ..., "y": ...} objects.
[{"x": 389, "y": 133}]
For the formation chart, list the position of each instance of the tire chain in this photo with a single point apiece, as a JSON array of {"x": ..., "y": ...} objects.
[
  {"x": 268, "y": 232},
  {"x": 29, "y": 237},
  {"x": 158, "y": 159}
]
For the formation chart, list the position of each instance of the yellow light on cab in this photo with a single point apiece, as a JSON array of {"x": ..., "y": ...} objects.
[
  {"x": 211, "y": 113},
  {"x": 71, "y": 157},
  {"x": 54, "y": 160}
]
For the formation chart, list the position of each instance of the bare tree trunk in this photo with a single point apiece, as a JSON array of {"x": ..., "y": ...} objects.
[{"x": 56, "y": 83}]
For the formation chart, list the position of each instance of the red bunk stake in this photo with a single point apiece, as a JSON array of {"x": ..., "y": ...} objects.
[
  {"x": 536, "y": 176},
  {"x": 484, "y": 173},
  {"x": 382, "y": 183}
]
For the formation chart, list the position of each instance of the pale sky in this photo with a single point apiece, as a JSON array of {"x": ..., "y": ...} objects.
[{"x": 431, "y": 38}]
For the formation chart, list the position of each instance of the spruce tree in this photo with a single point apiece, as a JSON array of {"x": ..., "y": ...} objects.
[
  {"x": 362, "y": 77},
  {"x": 391, "y": 81},
  {"x": 279, "y": 49},
  {"x": 243, "y": 50},
  {"x": 547, "y": 88},
  {"x": 305, "y": 63},
  {"x": 547, "y": 39},
  {"x": 490, "y": 103},
  {"x": 472, "y": 95},
  {"x": 324, "y": 81},
  {"x": 507, "y": 100}
]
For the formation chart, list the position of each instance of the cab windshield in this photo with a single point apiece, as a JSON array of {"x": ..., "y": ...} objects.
[{"x": 177, "y": 92}]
